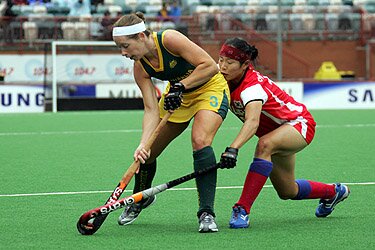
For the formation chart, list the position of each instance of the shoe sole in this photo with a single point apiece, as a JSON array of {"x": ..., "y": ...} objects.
[
  {"x": 236, "y": 227},
  {"x": 126, "y": 223},
  {"x": 208, "y": 231}
]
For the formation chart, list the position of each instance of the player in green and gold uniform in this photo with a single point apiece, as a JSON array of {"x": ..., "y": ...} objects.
[{"x": 196, "y": 90}]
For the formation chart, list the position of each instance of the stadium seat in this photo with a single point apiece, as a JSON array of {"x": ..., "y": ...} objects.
[
  {"x": 102, "y": 8},
  {"x": 287, "y": 2},
  {"x": 347, "y": 2},
  {"x": 30, "y": 31},
  {"x": 131, "y": 3},
  {"x": 300, "y": 2},
  {"x": 344, "y": 21},
  {"x": 63, "y": 11},
  {"x": 251, "y": 9},
  {"x": 308, "y": 21},
  {"x": 152, "y": 10},
  {"x": 119, "y": 3},
  {"x": 127, "y": 9},
  {"x": 223, "y": 2},
  {"x": 369, "y": 8},
  {"x": 332, "y": 20},
  {"x": 96, "y": 30},
  {"x": 82, "y": 31},
  {"x": 335, "y": 2},
  {"x": 272, "y": 22},
  {"x": 141, "y": 8},
  {"x": 26, "y": 10},
  {"x": 247, "y": 19},
  {"x": 114, "y": 10},
  {"x": 272, "y": 9},
  {"x": 16, "y": 9},
  {"x": 312, "y": 2},
  {"x": 355, "y": 19},
  {"x": 268, "y": 2},
  {"x": 241, "y": 2},
  {"x": 108, "y": 2},
  {"x": 35, "y": 16},
  {"x": 190, "y": 2},
  {"x": 155, "y": 2},
  {"x": 206, "y": 2},
  {"x": 253, "y": 2},
  {"x": 53, "y": 10},
  {"x": 260, "y": 22},
  {"x": 40, "y": 9},
  {"x": 296, "y": 22},
  {"x": 142, "y": 2},
  {"x": 320, "y": 23},
  {"x": 68, "y": 30},
  {"x": 298, "y": 9},
  {"x": 48, "y": 29},
  {"x": 324, "y": 2}
]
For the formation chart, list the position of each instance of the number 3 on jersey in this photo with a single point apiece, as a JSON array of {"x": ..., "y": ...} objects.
[{"x": 214, "y": 102}]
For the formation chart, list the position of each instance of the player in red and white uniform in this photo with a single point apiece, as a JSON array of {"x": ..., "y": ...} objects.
[{"x": 283, "y": 126}]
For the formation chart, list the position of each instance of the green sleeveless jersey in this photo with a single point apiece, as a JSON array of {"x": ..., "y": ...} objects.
[{"x": 172, "y": 68}]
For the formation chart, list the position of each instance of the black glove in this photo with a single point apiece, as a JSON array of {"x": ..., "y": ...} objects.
[
  {"x": 229, "y": 158},
  {"x": 173, "y": 99}
]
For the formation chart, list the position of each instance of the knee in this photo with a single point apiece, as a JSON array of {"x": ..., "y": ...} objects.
[
  {"x": 264, "y": 147},
  {"x": 286, "y": 195},
  {"x": 199, "y": 142}
]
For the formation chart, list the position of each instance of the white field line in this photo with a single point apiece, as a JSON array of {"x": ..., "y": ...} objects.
[
  {"x": 171, "y": 189},
  {"x": 139, "y": 130}
]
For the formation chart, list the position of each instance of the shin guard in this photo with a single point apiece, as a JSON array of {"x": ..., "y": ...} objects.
[{"x": 206, "y": 184}]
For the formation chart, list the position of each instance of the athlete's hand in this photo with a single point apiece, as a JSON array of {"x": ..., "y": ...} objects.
[
  {"x": 173, "y": 99},
  {"x": 229, "y": 158},
  {"x": 141, "y": 154}
]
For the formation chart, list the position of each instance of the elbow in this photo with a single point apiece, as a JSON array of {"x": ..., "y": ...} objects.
[{"x": 213, "y": 69}]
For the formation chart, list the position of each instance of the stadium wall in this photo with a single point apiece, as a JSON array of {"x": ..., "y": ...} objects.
[
  {"x": 346, "y": 55},
  {"x": 315, "y": 95}
]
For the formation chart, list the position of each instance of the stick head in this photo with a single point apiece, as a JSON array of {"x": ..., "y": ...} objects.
[{"x": 90, "y": 222}]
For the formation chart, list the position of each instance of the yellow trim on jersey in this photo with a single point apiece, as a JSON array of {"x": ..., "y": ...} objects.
[
  {"x": 209, "y": 96},
  {"x": 142, "y": 67},
  {"x": 160, "y": 55},
  {"x": 162, "y": 41}
]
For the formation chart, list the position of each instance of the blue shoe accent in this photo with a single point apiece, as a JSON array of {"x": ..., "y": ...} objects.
[
  {"x": 326, "y": 207},
  {"x": 239, "y": 218}
]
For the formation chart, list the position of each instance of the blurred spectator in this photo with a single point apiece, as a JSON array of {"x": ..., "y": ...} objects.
[
  {"x": 107, "y": 26},
  {"x": 175, "y": 11},
  {"x": 20, "y": 2},
  {"x": 6, "y": 16},
  {"x": 163, "y": 14},
  {"x": 40, "y": 2},
  {"x": 62, "y": 3},
  {"x": 80, "y": 7},
  {"x": 97, "y": 2}
]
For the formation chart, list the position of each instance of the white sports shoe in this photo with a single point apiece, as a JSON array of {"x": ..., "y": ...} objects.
[{"x": 207, "y": 223}]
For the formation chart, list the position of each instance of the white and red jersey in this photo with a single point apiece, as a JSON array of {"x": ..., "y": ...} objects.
[{"x": 278, "y": 107}]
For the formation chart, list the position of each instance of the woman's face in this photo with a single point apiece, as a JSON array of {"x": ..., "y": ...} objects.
[
  {"x": 231, "y": 69},
  {"x": 131, "y": 48}
]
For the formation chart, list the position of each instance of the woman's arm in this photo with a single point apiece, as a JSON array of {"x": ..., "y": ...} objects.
[
  {"x": 151, "y": 116},
  {"x": 250, "y": 126},
  {"x": 180, "y": 45}
]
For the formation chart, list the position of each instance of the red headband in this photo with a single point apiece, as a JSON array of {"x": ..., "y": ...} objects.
[{"x": 233, "y": 53}]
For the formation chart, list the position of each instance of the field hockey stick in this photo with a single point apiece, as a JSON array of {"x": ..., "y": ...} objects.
[
  {"x": 99, "y": 220},
  {"x": 84, "y": 220}
]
